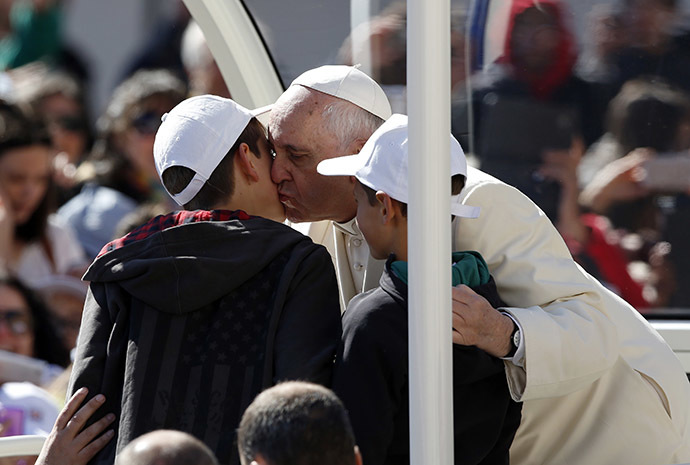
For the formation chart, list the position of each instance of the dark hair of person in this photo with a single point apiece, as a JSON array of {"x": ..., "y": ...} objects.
[
  {"x": 166, "y": 447},
  {"x": 18, "y": 129},
  {"x": 297, "y": 423},
  {"x": 48, "y": 345},
  {"x": 647, "y": 114},
  {"x": 221, "y": 184},
  {"x": 45, "y": 83},
  {"x": 106, "y": 164},
  {"x": 457, "y": 182}
]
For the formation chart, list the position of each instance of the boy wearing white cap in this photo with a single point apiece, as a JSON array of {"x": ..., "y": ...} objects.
[
  {"x": 191, "y": 315},
  {"x": 371, "y": 368}
]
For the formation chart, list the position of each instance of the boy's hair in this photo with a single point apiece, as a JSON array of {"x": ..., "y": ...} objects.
[
  {"x": 457, "y": 183},
  {"x": 297, "y": 423},
  {"x": 221, "y": 185}
]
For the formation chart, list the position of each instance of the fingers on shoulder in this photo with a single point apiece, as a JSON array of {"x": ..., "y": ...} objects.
[{"x": 79, "y": 419}]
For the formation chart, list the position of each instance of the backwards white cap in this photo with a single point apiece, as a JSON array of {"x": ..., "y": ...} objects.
[
  {"x": 382, "y": 164},
  {"x": 197, "y": 134},
  {"x": 347, "y": 83}
]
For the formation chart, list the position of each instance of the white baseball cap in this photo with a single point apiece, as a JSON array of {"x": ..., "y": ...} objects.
[
  {"x": 382, "y": 164},
  {"x": 197, "y": 134},
  {"x": 347, "y": 83}
]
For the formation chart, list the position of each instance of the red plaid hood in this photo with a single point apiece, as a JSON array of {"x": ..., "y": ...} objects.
[
  {"x": 163, "y": 222},
  {"x": 184, "y": 260}
]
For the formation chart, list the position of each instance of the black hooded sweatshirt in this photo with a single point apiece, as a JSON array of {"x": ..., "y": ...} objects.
[{"x": 191, "y": 315}]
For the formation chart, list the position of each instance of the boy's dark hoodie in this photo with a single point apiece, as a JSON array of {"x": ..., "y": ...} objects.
[
  {"x": 191, "y": 315},
  {"x": 371, "y": 375}
]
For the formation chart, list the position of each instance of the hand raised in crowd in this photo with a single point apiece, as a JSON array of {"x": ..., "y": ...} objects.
[
  {"x": 68, "y": 444},
  {"x": 477, "y": 323},
  {"x": 619, "y": 181},
  {"x": 663, "y": 276},
  {"x": 561, "y": 166}
]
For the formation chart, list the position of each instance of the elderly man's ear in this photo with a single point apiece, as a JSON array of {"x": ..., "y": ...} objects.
[{"x": 356, "y": 146}]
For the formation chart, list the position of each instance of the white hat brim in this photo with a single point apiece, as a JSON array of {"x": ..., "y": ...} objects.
[{"x": 347, "y": 165}]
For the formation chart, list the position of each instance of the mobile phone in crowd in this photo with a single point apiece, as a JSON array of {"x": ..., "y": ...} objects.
[{"x": 667, "y": 172}]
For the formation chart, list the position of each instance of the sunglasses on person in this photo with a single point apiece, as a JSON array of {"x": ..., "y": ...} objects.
[
  {"x": 18, "y": 321},
  {"x": 72, "y": 123},
  {"x": 147, "y": 122}
]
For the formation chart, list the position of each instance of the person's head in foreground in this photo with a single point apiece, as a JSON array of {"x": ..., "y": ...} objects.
[
  {"x": 381, "y": 191},
  {"x": 326, "y": 112},
  {"x": 297, "y": 423},
  {"x": 166, "y": 447},
  {"x": 212, "y": 153}
]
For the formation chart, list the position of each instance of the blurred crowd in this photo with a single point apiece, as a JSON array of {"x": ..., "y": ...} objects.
[{"x": 598, "y": 137}]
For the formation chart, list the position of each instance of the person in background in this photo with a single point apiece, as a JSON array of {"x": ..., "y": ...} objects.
[
  {"x": 26, "y": 330},
  {"x": 27, "y": 326},
  {"x": 645, "y": 113},
  {"x": 591, "y": 239},
  {"x": 296, "y": 422},
  {"x": 34, "y": 243},
  {"x": 64, "y": 297},
  {"x": 58, "y": 99},
  {"x": 120, "y": 174},
  {"x": 538, "y": 64},
  {"x": 606, "y": 36},
  {"x": 648, "y": 124},
  {"x": 534, "y": 99},
  {"x": 657, "y": 47}
]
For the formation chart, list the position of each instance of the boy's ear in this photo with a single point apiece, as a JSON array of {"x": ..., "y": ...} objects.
[
  {"x": 385, "y": 207},
  {"x": 245, "y": 160}
]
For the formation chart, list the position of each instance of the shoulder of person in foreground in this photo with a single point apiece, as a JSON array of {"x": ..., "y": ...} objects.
[{"x": 309, "y": 326}]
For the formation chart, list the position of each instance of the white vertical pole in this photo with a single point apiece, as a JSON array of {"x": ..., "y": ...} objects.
[{"x": 430, "y": 342}]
